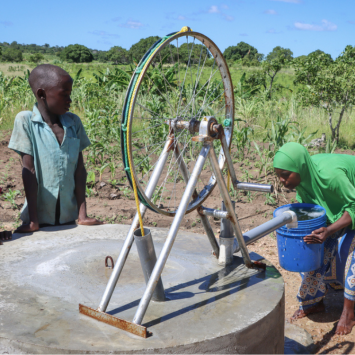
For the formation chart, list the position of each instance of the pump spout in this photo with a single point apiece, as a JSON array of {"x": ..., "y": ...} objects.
[{"x": 264, "y": 229}]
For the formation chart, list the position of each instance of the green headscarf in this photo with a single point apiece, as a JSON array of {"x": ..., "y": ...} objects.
[{"x": 327, "y": 180}]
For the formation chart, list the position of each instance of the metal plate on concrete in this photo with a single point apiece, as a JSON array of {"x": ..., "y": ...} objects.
[{"x": 210, "y": 309}]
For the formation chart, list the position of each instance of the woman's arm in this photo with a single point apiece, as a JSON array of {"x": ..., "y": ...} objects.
[{"x": 320, "y": 235}]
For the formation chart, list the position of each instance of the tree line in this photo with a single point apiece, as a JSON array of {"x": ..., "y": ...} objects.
[{"x": 244, "y": 53}]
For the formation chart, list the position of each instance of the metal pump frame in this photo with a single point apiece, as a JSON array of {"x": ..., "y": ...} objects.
[{"x": 209, "y": 130}]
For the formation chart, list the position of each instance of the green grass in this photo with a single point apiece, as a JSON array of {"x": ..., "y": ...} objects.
[
  {"x": 100, "y": 105},
  {"x": 283, "y": 103}
]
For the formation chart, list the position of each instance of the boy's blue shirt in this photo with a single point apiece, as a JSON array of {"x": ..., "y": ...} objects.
[{"x": 55, "y": 164}]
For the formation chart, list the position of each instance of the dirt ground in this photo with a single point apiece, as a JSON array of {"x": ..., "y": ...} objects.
[{"x": 251, "y": 213}]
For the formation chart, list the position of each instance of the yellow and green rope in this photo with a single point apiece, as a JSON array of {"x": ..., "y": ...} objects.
[{"x": 126, "y": 119}]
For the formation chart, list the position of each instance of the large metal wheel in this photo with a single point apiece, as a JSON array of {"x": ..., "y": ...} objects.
[{"x": 183, "y": 77}]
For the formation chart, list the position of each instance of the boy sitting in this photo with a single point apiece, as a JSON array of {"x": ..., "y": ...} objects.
[{"x": 50, "y": 140}]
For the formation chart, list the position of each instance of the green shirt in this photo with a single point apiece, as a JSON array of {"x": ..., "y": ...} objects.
[
  {"x": 55, "y": 164},
  {"x": 327, "y": 180}
]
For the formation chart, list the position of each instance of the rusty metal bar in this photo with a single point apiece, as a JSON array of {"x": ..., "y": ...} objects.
[
  {"x": 228, "y": 157},
  {"x": 227, "y": 200},
  {"x": 209, "y": 231},
  {"x": 114, "y": 321}
]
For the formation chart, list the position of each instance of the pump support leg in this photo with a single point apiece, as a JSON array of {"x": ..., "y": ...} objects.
[
  {"x": 227, "y": 200},
  {"x": 153, "y": 181},
  {"x": 164, "y": 254}
]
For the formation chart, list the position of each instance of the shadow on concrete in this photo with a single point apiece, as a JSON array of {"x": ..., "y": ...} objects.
[
  {"x": 294, "y": 347},
  {"x": 46, "y": 228},
  {"x": 224, "y": 279},
  {"x": 61, "y": 227}
]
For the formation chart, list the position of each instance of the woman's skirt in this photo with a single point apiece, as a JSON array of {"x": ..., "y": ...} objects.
[{"x": 338, "y": 267}]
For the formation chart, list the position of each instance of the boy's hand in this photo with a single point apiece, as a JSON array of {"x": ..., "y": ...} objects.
[
  {"x": 87, "y": 221},
  {"x": 317, "y": 237},
  {"x": 27, "y": 228}
]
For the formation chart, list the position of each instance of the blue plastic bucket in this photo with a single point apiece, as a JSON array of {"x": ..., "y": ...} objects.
[{"x": 294, "y": 254}]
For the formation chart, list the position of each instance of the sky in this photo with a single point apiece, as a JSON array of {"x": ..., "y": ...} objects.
[{"x": 301, "y": 25}]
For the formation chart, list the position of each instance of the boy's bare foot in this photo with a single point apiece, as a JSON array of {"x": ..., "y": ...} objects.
[
  {"x": 300, "y": 313},
  {"x": 27, "y": 228},
  {"x": 347, "y": 319},
  {"x": 87, "y": 221},
  {"x": 4, "y": 236}
]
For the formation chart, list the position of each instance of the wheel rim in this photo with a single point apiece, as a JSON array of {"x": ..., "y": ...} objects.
[{"x": 172, "y": 80}]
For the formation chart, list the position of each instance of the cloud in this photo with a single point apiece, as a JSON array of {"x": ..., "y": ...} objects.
[
  {"x": 213, "y": 9},
  {"x": 104, "y": 42},
  {"x": 272, "y": 31},
  {"x": 228, "y": 17},
  {"x": 325, "y": 26},
  {"x": 6, "y": 23},
  {"x": 243, "y": 34},
  {"x": 104, "y": 34},
  {"x": 132, "y": 24},
  {"x": 290, "y": 1},
  {"x": 173, "y": 16},
  {"x": 270, "y": 12},
  {"x": 115, "y": 19},
  {"x": 351, "y": 22}
]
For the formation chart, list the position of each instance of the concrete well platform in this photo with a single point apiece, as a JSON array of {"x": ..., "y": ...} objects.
[{"x": 210, "y": 309}]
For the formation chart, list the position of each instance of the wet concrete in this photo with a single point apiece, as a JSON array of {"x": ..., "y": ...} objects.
[{"x": 210, "y": 309}]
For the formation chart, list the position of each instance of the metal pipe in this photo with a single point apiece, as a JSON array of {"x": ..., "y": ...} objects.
[
  {"x": 226, "y": 226},
  {"x": 213, "y": 213},
  {"x": 182, "y": 165},
  {"x": 226, "y": 251},
  {"x": 229, "y": 206},
  {"x": 268, "y": 227},
  {"x": 228, "y": 158},
  {"x": 210, "y": 234},
  {"x": 147, "y": 257},
  {"x": 190, "y": 188},
  {"x": 249, "y": 186},
  {"x": 116, "y": 272},
  {"x": 206, "y": 224},
  {"x": 193, "y": 125},
  {"x": 226, "y": 239}
]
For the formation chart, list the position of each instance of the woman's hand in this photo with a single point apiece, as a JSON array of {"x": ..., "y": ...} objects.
[{"x": 318, "y": 236}]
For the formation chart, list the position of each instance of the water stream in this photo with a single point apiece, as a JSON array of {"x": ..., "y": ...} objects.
[{"x": 304, "y": 213}]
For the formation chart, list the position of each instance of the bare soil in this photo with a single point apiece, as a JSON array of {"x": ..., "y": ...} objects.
[{"x": 115, "y": 206}]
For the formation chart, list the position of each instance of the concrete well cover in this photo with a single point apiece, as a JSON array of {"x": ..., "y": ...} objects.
[{"x": 210, "y": 309}]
